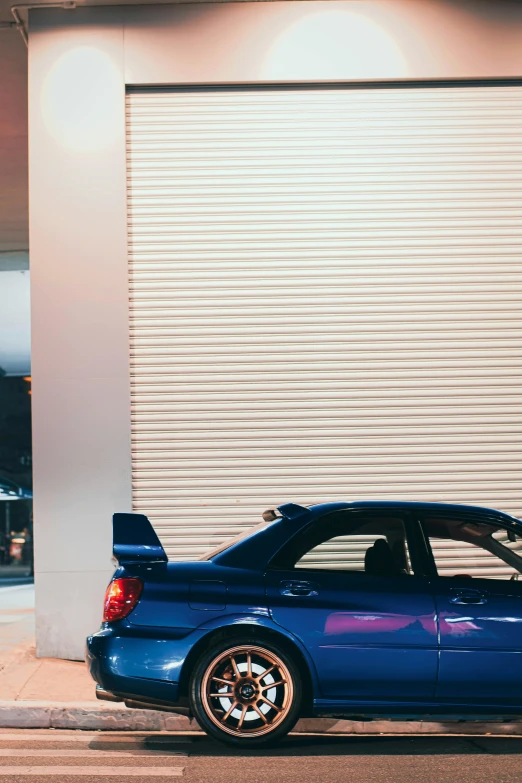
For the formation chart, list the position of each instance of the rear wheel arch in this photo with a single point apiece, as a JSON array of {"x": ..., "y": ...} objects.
[{"x": 243, "y": 632}]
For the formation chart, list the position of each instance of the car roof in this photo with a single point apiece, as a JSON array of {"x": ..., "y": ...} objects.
[{"x": 419, "y": 506}]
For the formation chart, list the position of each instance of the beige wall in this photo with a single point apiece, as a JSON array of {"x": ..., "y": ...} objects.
[
  {"x": 357, "y": 40},
  {"x": 79, "y": 64}
]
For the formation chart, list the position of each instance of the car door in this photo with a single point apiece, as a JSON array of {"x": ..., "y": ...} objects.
[
  {"x": 480, "y": 610},
  {"x": 369, "y": 626}
]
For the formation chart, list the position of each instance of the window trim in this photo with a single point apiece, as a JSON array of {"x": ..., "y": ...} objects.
[
  {"x": 414, "y": 541},
  {"x": 421, "y": 554}
]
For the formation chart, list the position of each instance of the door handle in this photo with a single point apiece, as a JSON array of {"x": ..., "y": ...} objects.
[
  {"x": 297, "y": 588},
  {"x": 467, "y": 597}
]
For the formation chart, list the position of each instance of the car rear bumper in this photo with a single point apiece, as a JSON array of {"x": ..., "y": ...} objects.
[{"x": 137, "y": 667}]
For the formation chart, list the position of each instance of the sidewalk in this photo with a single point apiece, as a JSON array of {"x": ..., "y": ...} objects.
[
  {"x": 16, "y": 617},
  {"x": 48, "y": 693}
]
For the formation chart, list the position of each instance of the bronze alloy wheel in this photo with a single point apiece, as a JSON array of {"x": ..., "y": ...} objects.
[{"x": 247, "y": 691}]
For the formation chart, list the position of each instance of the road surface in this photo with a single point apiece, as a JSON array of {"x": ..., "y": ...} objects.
[{"x": 53, "y": 756}]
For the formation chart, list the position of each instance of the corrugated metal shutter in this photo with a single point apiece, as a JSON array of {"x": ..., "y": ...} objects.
[
  {"x": 325, "y": 300},
  {"x": 341, "y": 552}
]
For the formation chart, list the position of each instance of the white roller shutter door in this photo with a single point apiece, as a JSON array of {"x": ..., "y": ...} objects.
[{"x": 325, "y": 301}]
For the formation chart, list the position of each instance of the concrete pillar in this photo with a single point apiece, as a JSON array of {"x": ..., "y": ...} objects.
[{"x": 80, "y": 367}]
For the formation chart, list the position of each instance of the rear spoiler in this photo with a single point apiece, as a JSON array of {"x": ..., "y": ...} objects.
[{"x": 135, "y": 540}]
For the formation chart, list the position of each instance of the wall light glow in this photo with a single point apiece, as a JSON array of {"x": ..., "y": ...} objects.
[
  {"x": 78, "y": 100},
  {"x": 325, "y": 44}
]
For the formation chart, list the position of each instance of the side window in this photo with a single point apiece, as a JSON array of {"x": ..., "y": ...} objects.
[
  {"x": 468, "y": 549},
  {"x": 375, "y": 546}
]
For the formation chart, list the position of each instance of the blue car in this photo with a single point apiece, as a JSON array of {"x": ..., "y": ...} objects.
[{"x": 357, "y": 610}]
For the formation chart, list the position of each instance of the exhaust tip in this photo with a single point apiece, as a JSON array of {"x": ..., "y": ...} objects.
[{"x": 104, "y": 695}]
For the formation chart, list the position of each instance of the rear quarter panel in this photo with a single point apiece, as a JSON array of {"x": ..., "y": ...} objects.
[{"x": 191, "y": 595}]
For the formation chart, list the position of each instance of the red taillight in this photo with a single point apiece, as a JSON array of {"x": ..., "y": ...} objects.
[{"x": 121, "y": 597}]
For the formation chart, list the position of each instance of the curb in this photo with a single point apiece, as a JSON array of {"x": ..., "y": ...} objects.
[{"x": 90, "y": 716}]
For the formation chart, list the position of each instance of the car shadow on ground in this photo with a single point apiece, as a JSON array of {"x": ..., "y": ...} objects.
[{"x": 331, "y": 745}]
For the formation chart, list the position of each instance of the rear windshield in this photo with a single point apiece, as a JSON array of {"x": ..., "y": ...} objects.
[{"x": 230, "y": 542}]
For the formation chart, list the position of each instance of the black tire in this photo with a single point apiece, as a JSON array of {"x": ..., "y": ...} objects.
[{"x": 242, "y": 670}]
